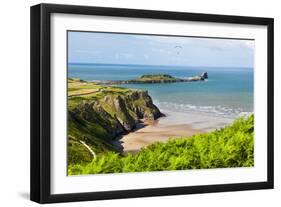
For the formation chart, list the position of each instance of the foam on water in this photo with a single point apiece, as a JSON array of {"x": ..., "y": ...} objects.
[{"x": 219, "y": 111}]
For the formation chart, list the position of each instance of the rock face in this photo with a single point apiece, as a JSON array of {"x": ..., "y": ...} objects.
[
  {"x": 98, "y": 122},
  {"x": 204, "y": 75}
]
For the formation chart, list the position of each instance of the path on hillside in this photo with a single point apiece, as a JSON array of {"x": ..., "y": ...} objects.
[{"x": 89, "y": 148}]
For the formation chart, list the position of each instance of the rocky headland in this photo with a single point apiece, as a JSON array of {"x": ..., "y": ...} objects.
[
  {"x": 97, "y": 115},
  {"x": 157, "y": 78}
]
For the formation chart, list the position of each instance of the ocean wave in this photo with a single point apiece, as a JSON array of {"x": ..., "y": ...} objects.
[{"x": 219, "y": 111}]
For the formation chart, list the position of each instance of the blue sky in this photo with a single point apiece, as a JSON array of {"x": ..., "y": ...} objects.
[{"x": 110, "y": 48}]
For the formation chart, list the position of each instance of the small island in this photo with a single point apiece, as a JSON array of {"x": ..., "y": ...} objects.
[{"x": 157, "y": 78}]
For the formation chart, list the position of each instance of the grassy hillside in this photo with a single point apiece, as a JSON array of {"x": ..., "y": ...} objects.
[
  {"x": 232, "y": 146},
  {"x": 98, "y": 114},
  {"x": 156, "y": 77}
]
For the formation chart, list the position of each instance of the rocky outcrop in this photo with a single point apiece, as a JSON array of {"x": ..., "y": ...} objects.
[
  {"x": 103, "y": 120},
  {"x": 204, "y": 75}
]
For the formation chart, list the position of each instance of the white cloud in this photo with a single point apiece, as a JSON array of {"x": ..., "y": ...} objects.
[
  {"x": 160, "y": 50},
  {"x": 127, "y": 55},
  {"x": 146, "y": 56},
  {"x": 118, "y": 56},
  {"x": 89, "y": 52}
]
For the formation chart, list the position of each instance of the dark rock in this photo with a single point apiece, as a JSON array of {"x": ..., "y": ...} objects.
[
  {"x": 204, "y": 75},
  {"x": 128, "y": 122},
  {"x": 111, "y": 116}
]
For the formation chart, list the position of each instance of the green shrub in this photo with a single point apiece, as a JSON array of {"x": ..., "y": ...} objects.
[{"x": 232, "y": 146}]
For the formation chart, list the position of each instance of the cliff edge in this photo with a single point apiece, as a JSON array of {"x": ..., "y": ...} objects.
[{"x": 98, "y": 114}]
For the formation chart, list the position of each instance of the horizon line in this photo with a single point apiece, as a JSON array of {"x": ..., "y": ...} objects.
[{"x": 88, "y": 63}]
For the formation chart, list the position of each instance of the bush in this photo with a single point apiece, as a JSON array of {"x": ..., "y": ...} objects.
[{"x": 232, "y": 146}]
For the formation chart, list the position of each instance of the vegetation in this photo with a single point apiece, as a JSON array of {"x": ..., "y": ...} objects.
[
  {"x": 156, "y": 77},
  {"x": 161, "y": 78},
  {"x": 98, "y": 114},
  {"x": 232, "y": 146},
  {"x": 80, "y": 90}
]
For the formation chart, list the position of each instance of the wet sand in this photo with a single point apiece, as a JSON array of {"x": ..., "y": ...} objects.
[{"x": 173, "y": 125}]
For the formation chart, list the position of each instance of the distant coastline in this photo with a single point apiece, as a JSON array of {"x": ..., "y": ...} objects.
[{"x": 156, "y": 78}]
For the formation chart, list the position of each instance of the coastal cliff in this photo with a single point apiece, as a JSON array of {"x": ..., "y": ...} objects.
[{"x": 98, "y": 114}]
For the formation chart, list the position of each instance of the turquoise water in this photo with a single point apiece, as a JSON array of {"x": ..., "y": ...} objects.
[{"x": 227, "y": 93}]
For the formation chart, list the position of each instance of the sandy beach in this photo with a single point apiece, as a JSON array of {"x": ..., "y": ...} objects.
[{"x": 173, "y": 125}]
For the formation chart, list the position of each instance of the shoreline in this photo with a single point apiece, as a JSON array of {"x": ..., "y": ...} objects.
[
  {"x": 174, "y": 124},
  {"x": 205, "y": 122}
]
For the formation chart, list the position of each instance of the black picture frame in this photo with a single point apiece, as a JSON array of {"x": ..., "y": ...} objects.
[{"x": 41, "y": 98}]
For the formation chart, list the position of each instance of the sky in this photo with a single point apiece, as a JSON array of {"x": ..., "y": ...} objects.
[{"x": 116, "y": 48}]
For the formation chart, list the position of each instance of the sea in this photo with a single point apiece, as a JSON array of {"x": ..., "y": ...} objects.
[{"x": 228, "y": 92}]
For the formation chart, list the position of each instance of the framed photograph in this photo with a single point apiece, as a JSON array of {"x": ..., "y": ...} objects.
[{"x": 133, "y": 103}]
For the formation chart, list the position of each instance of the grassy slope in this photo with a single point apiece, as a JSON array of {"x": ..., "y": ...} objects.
[
  {"x": 92, "y": 116},
  {"x": 232, "y": 146},
  {"x": 87, "y": 131},
  {"x": 156, "y": 77},
  {"x": 80, "y": 90}
]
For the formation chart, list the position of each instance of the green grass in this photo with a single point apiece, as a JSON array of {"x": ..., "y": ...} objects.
[
  {"x": 85, "y": 131},
  {"x": 78, "y": 91},
  {"x": 156, "y": 77},
  {"x": 93, "y": 126},
  {"x": 77, "y": 153},
  {"x": 232, "y": 146}
]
